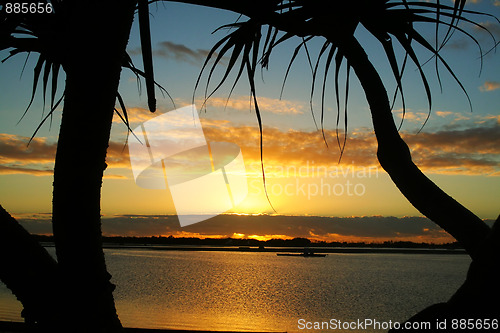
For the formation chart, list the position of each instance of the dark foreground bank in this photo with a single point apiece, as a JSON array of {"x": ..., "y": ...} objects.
[{"x": 17, "y": 327}]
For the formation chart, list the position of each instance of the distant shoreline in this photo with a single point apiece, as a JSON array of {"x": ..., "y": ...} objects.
[
  {"x": 170, "y": 243},
  {"x": 298, "y": 242},
  {"x": 333, "y": 250},
  {"x": 346, "y": 250}
]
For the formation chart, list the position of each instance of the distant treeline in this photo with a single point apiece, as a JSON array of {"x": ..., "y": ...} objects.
[{"x": 295, "y": 242}]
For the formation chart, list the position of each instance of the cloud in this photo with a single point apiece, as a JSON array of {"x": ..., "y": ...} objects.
[
  {"x": 492, "y": 26},
  {"x": 179, "y": 52},
  {"x": 444, "y": 114},
  {"x": 241, "y": 103},
  {"x": 490, "y": 86},
  {"x": 361, "y": 228},
  {"x": 17, "y": 157},
  {"x": 488, "y": 118},
  {"x": 111, "y": 176},
  {"x": 288, "y": 148},
  {"x": 7, "y": 170},
  {"x": 488, "y": 34},
  {"x": 15, "y": 148},
  {"x": 134, "y": 116},
  {"x": 478, "y": 140},
  {"x": 460, "y": 43},
  {"x": 483, "y": 33},
  {"x": 272, "y": 105},
  {"x": 466, "y": 151},
  {"x": 324, "y": 228},
  {"x": 37, "y": 159},
  {"x": 471, "y": 151},
  {"x": 411, "y": 116}
]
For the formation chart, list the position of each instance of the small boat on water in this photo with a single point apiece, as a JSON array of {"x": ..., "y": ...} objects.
[
  {"x": 306, "y": 253},
  {"x": 301, "y": 254}
]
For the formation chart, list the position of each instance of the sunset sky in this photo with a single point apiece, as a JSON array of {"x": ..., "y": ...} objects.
[{"x": 457, "y": 148}]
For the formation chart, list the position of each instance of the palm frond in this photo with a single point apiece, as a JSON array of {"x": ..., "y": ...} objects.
[
  {"x": 43, "y": 69},
  {"x": 38, "y": 34},
  {"x": 124, "y": 118},
  {"x": 313, "y": 81},
  {"x": 36, "y": 76},
  {"x": 243, "y": 44},
  {"x": 390, "y": 22},
  {"x": 128, "y": 63},
  {"x": 49, "y": 115},
  {"x": 147, "y": 54},
  {"x": 30, "y": 34}
]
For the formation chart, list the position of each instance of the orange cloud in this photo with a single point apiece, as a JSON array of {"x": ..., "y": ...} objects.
[
  {"x": 472, "y": 151},
  {"x": 265, "y": 227},
  {"x": 469, "y": 151},
  {"x": 272, "y": 105},
  {"x": 135, "y": 116},
  {"x": 37, "y": 159},
  {"x": 15, "y": 149},
  {"x": 444, "y": 113},
  {"x": 411, "y": 116},
  {"x": 6, "y": 170},
  {"x": 17, "y": 157},
  {"x": 114, "y": 177},
  {"x": 490, "y": 86},
  {"x": 455, "y": 116}
]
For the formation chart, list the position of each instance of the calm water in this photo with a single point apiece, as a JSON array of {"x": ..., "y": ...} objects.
[{"x": 261, "y": 291}]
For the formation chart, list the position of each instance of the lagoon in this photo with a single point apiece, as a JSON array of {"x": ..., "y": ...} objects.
[{"x": 259, "y": 291}]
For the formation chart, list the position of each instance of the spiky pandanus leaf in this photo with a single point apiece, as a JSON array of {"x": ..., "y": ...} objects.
[
  {"x": 147, "y": 54},
  {"x": 243, "y": 42},
  {"x": 390, "y": 22},
  {"x": 40, "y": 34},
  {"x": 34, "y": 33},
  {"x": 394, "y": 25}
]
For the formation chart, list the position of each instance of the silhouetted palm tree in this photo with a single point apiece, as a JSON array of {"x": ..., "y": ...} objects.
[
  {"x": 388, "y": 22},
  {"x": 391, "y": 23},
  {"x": 88, "y": 39}
]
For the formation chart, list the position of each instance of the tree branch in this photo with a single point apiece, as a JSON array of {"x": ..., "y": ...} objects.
[
  {"x": 395, "y": 157},
  {"x": 27, "y": 269}
]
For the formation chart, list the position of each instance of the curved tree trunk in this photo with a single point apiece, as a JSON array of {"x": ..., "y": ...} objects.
[
  {"x": 477, "y": 299},
  {"x": 28, "y": 270},
  {"x": 478, "y": 296},
  {"x": 96, "y": 39},
  {"x": 395, "y": 157},
  {"x": 75, "y": 295}
]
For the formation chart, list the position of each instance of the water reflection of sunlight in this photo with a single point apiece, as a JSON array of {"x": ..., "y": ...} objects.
[
  {"x": 215, "y": 298},
  {"x": 10, "y": 308},
  {"x": 259, "y": 291}
]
